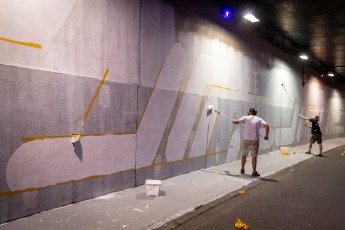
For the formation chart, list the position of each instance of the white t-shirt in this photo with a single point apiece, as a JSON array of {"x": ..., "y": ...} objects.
[{"x": 252, "y": 125}]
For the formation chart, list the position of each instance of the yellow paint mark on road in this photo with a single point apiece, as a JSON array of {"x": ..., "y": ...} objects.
[
  {"x": 240, "y": 225},
  {"x": 29, "y": 44},
  {"x": 86, "y": 115}
]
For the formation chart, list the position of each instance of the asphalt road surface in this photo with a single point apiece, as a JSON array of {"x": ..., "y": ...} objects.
[{"x": 311, "y": 195}]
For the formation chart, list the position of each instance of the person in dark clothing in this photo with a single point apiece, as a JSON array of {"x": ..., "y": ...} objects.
[{"x": 316, "y": 134}]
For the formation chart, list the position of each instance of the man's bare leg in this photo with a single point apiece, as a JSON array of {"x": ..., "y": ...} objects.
[
  {"x": 320, "y": 148},
  {"x": 243, "y": 161},
  {"x": 254, "y": 161},
  {"x": 310, "y": 145}
]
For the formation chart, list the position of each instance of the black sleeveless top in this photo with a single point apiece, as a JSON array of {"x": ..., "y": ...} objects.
[{"x": 315, "y": 127}]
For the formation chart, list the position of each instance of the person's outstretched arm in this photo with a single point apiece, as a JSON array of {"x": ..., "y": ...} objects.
[
  {"x": 305, "y": 118},
  {"x": 306, "y": 125},
  {"x": 235, "y": 121}
]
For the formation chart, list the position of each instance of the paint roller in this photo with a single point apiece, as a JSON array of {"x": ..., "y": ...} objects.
[{"x": 210, "y": 109}]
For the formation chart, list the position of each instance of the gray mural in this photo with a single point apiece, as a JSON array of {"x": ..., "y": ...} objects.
[{"x": 113, "y": 92}]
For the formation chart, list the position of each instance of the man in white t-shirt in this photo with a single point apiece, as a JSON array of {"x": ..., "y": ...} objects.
[{"x": 251, "y": 138}]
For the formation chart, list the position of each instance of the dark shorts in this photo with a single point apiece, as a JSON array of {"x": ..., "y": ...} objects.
[{"x": 316, "y": 137}]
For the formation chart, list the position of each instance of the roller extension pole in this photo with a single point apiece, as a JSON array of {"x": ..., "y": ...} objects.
[
  {"x": 222, "y": 114},
  {"x": 231, "y": 120}
]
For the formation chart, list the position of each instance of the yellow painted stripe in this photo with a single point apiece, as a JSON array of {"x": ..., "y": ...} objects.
[
  {"x": 171, "y": 162},
  {"x": 33, "y": 138},
  {"x": 11, "y": 193},
  {"x": 226, "y": 88},
  {"x": 30, "y": 44},
  {"x": 255, "y": 94},
  {"x": 154, "y": 86},
  {"x": 216, "y": 153},
  {"x": 185, "y": 159},
  {"x": 86, "y": 115}
]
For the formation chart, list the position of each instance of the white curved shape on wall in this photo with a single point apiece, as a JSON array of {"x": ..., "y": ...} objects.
[
  {"x": 204, "y": 130},
  {"x": 94, "y": 38},
  {"x": 101, "y": 41},
  {"x": 181, "y": 130},
  {"x": 46, "y": 162},
  {"x": 216, "y": 65},
  {"x": 34, "y": 20},
  {"x": 187, "y": 113},
  {"x": 159, "y": 108},
  {"x": 78, "y": 37}
]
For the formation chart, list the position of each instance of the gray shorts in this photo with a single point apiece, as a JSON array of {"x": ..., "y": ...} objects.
[{"x": 252, "y": 146}]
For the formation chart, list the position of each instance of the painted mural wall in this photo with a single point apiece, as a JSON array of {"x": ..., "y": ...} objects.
[{"x": 132, "y": 80}]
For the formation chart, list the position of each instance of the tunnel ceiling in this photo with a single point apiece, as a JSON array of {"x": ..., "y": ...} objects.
[{"x": 315, "y": 27}]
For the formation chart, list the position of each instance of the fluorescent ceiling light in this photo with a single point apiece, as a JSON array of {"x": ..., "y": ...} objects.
[
  {"x": 303, "y": 56},
  {"x": 251, "y": 18},
  {"x": 330, "y": 74}
]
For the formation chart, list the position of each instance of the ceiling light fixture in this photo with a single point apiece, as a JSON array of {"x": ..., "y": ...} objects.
[
  {"x": 226, "y": 13},
  {"x": 251, "y": 17},
  {"x": 303, "y": 57},
  {"x": 330, "y": 74}
]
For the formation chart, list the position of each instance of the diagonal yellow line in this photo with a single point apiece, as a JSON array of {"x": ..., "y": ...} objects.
[
  {"x": 86, "y": 114},
  {"x": 154, "y": 86},
  {"x": 226, "y": 88},
  {"x": 30, "y": 44}
]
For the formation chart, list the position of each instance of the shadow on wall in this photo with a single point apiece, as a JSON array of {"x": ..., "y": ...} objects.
[{"x": 78, "y": 150}]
